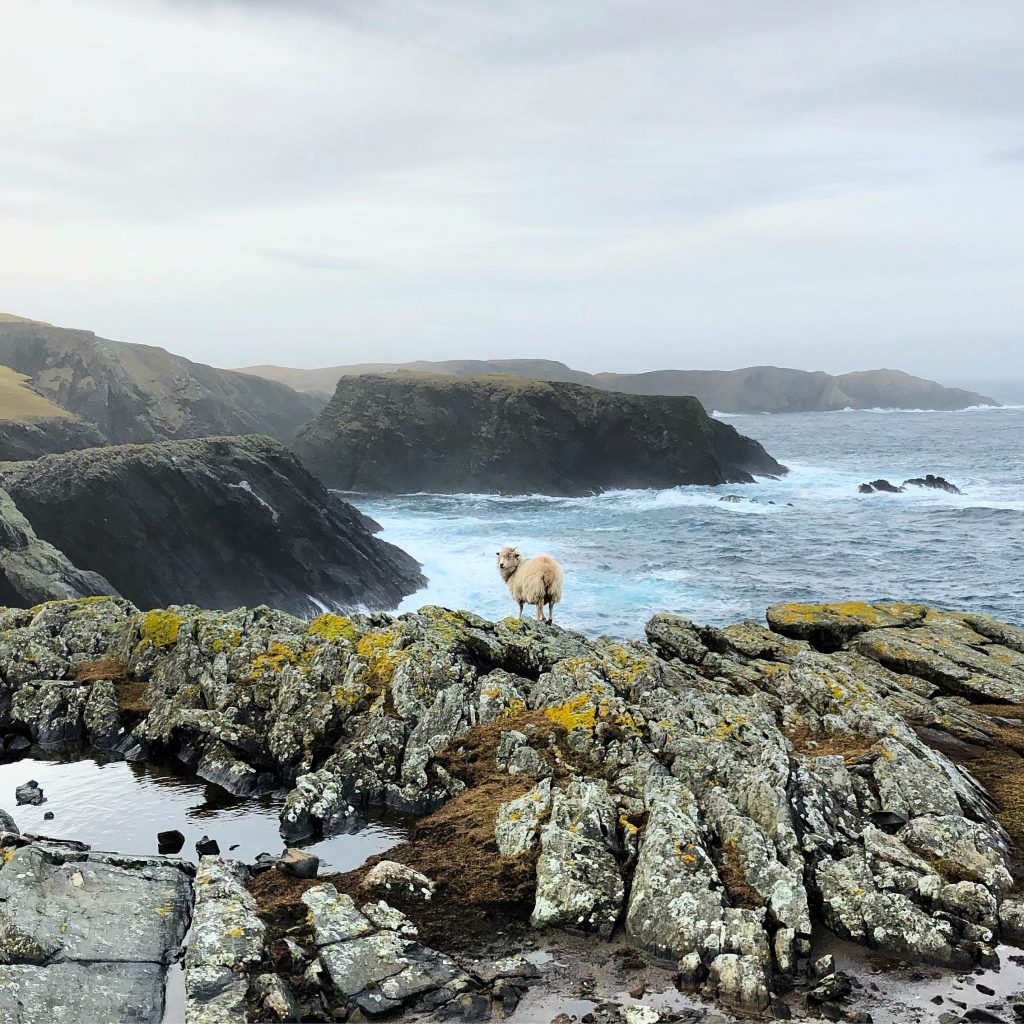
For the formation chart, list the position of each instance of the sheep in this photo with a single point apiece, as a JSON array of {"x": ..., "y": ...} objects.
[{"x": 536, "y": 580}]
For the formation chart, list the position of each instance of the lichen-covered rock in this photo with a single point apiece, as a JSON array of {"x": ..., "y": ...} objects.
[
  {"x": 578, "y": 880},
  {"x": 519, "y": 822},
  {"x": 390, "y": 876},
  {"x": 373, "y": 958},
  {"x": 226, "y": 945},
  {"x": 740, "y": 982}
]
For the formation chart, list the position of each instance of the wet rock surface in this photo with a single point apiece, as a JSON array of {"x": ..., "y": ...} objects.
[
  {"x": 715, "y": 795},
  {"x": 87, "y": 936}
]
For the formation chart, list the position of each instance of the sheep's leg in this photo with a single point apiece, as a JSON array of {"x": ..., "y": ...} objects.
[
  {"x": 540, "y": 612},
  {"x": 521, "y": 603},
  {"x": 551, "y": 613}
]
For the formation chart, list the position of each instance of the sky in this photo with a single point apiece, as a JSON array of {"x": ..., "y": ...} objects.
[{"x": 620, "y": 185}]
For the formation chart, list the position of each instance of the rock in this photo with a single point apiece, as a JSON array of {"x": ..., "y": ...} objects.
[
  {"x": 829, "y": 626},
  {"x": 29, "y": 793},
  {"x": 578, "y": 881},
  {"x": 639, "y": 1014},
  {"x": 1011, "y": 921},
  {"x": 248, "y": 495},
  {"x": 226, "y": 944},
  {"x": 831, "y": 988},
  {"x": 276, "y": 997},
  {"x": 171, "y": 841},
  {"x": 824, "y": 966},
  {"x": 32, "y": 570},
  {"x": 299, "y": 863},
  {"x": 8, "y": 824},
  {"x": 933, "y": 482},
  {"x": 378, "y": 968},
  {"x": 882, "y": 486},
  {"x": 390, "y": 876},
  {"x": 48, "y": 816},
  {"x": 87, "y": 936},
  {"x": 983, "y": 1016},
  {"x": 206, "y": 847},
  {"x": 518, "y": 824},
  {"x": 739, "y": 982},
  {"x": 413, "y": 433}
]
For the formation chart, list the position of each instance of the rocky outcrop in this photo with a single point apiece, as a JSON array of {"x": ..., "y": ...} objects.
[
  {"x": 87, "y": 936},
  {"x": 719, "y": 792},
  {"x": 21, "y": 440},
  {"x": 137, "y": 393},
  {"x": 751, "y": 389},
  {"x": 931, "y": 482},
  {"x": 31, "y": 570},
  {"x": 505, "y": 434},
  {"x": 219, "y": 521}
]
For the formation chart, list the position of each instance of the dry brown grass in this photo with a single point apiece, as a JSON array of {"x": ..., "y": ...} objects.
[
  {"x": 730, "y": 870},
  {"x": 113, "y": 669},
  {"x": 20, "y": 402},
  {"x": 821, "y": 744}
]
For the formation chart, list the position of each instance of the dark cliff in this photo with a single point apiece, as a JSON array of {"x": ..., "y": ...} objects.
[
  {"x": 219, "y": 522},
  {"x": 406, "y": 433}
]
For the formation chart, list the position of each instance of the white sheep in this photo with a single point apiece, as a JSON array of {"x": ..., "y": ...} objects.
[{"x": 536, "y": 580}]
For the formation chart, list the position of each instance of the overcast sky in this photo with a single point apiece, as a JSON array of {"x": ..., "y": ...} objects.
[{"x": 623, "y": 186}]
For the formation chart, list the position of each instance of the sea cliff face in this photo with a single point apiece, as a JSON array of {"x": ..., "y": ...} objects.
[
  {"x": 407, "y": 433},
  {"x": 719, "y": 794},
  {"x": 138, "y": 393},
  {"x": 222, "y": 521}
]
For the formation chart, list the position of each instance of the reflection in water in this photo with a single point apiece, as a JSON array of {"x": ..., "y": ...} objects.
[{"x": 120, "y": 805}]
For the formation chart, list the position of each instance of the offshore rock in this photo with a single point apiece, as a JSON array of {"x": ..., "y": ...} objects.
[{"x": 419, "y": 432}]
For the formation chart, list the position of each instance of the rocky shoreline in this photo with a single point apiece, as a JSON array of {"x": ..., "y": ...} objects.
[{"x": 713, "y": 799}]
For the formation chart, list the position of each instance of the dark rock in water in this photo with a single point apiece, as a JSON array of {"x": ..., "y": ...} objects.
[
  {"x": 170, "y": 841},
  {"x": 263, "y": 862},
  {"x": 140, "y": 393},
  {"x": 8, "y": 824},
  {"x": 936, "y": 483},
  {"x": 299, "y": 863},
  {"x": 48, "y": 816},
  {"x": 207, "y": 846},
  {"x": 510, "y": 435},
  {"x": 246, "y": 525},
  {"x": 731, "y": 498},
  {"x": 29, "y": 793},
  {"x": 879, "y": 485},
  {"x": 32, "y": 570},
  {"x": 983, "y": 1016}
]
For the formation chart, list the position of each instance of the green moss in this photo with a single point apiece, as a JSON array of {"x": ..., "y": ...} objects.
[
  {"x": 160, "y": 628},
  {"x": 334, "y": 627}
]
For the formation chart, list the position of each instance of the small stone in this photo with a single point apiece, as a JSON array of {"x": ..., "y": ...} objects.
[
  {"x": 638, "y": 992},
  {"x": 170, "y": 842},
  {"x": 982, "y": 1016},
  {"x": 299, "y": 863},
  {"x": 825, "y": 966},
  {"x": 48, "y": 816},
  {"x": 207, "y": 846},
  {"x": 29, "y": 793},
  {"x": 985, "y": 990}
]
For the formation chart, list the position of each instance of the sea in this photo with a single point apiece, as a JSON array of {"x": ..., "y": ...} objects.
[{"x": 809, "y": 536}]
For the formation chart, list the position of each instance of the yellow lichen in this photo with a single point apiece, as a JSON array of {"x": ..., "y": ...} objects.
[
  {"x": 275, "y": 658},
  {"x": 160, "y": 628},
  {"x": 578, "y": 713},
  {"x": 334, "y": 627}
]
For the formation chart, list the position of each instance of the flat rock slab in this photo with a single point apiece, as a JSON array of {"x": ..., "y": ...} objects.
[
  {"x": 90, "y": 934},
  {"x": 73, "y": 993}
]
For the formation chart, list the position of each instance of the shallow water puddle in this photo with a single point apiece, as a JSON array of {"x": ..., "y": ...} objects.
[{"x": 121, "y": 806}]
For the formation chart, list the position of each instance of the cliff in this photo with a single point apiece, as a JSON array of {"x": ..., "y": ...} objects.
[
  {"x": 138, "y": 393},
  {"x": 752, "y": 389},
  {"x": 221, "y": 521},
  {"x": 407, "y": 433}
]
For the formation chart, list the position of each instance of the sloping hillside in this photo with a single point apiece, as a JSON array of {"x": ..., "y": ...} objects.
[
  {"x": 134, "y": 393},
  {"x": 753, "y": 389}
]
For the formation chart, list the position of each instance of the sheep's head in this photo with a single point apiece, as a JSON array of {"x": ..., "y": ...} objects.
[{"x": 508, "y": 561}]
